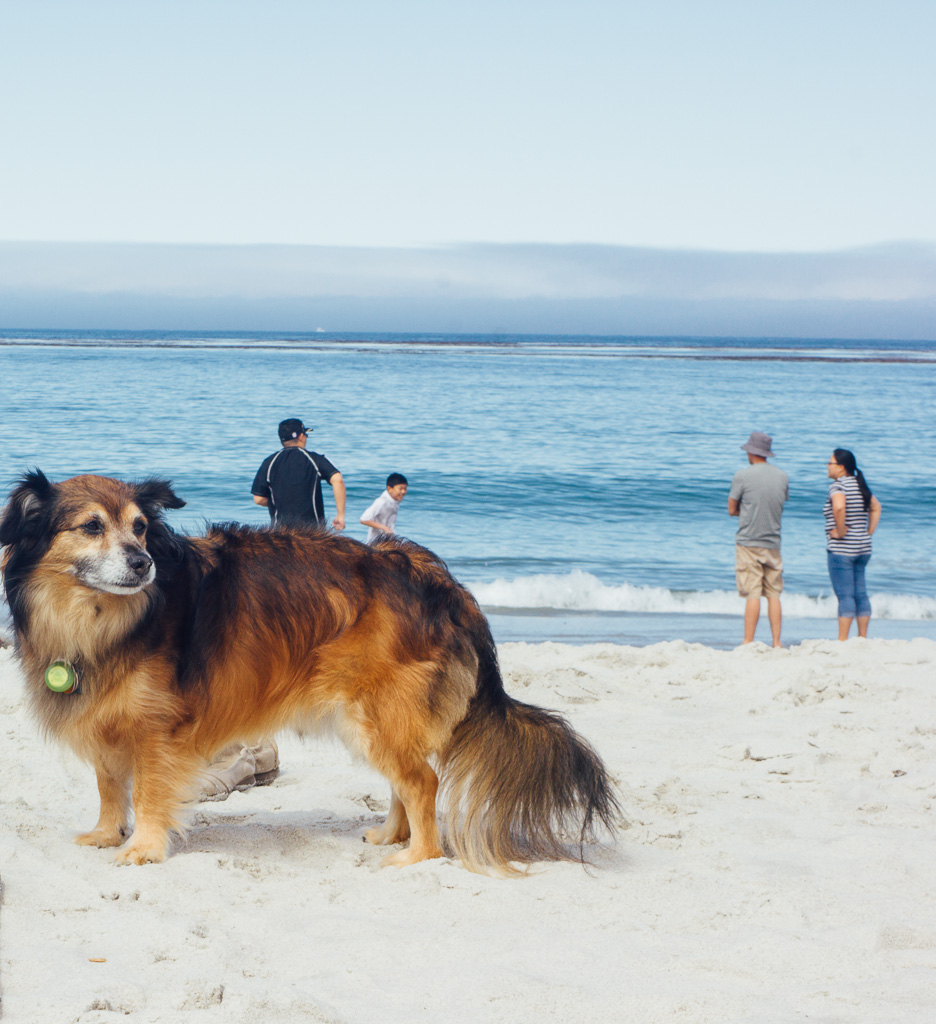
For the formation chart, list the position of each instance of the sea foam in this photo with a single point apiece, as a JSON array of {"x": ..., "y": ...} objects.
[{"x": 581, "y": 591}]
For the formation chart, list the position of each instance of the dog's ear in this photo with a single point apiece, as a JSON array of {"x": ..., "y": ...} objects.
[
  {"x": 26, "y": 513},
  {"x": 153, "y": 495}
]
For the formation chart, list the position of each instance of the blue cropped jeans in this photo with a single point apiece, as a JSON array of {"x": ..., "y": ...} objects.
[{"x": 847, "y": 573}]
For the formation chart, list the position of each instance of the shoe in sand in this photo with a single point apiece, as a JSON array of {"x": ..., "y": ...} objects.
[
  {"x": 266, "y": 758},
  {"x": 240, "y": 768},
  {"x": 234, "y": 768}
]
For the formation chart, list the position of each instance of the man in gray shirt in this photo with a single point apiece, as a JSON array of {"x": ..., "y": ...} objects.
[{"x": 756, "y": 497}]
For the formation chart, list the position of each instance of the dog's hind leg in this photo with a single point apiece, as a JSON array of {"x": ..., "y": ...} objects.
[
  {"x": 395, "y": 829},
  {"x": 417, "y": 784},
  {"x": 113, "y": 779}
]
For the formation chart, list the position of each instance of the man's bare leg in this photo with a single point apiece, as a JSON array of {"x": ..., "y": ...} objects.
[
  {"x": 775, "y": 616},
  {"x": 751, "y": 615}
]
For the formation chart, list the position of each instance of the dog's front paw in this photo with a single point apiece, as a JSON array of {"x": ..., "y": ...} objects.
[
  {"x": 141, "y": 853},
  {"x": 102, "y": 837}
]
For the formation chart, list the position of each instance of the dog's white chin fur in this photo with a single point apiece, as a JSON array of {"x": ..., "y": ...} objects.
[{"x": 112, "y": 587}]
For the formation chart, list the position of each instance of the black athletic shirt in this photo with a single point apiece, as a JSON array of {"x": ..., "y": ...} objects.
[{"x": 291, "y": 480}]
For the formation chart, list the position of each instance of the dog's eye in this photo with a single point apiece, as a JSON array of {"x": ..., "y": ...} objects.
[
  {"x": 139, "y": 527},
  {"x": 93, "y": 526}
]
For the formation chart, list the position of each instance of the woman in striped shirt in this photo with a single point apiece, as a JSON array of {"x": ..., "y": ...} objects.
[{"x": 851, "y": 515}]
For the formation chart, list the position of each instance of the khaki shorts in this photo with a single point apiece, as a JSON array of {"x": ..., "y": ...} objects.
[{"x": 759, "y": 571}]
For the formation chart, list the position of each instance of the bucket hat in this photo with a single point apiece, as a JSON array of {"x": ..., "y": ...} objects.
[{"x": 759, "y": 444}]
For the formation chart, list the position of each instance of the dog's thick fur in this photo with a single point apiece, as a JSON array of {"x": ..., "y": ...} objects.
[{"x": 185, "y": 644}]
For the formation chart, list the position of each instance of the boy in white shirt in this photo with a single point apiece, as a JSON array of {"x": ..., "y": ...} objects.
[{"x": 380, "y": 517}]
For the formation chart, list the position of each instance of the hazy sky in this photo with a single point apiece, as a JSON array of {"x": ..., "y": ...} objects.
[{"x": 764, "y": 125}]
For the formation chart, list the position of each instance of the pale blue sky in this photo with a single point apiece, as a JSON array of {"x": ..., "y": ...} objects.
[{"x": 782, "y": 126}]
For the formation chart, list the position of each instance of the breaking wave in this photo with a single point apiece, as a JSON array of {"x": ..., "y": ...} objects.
[{"x": 581, "y": 591}]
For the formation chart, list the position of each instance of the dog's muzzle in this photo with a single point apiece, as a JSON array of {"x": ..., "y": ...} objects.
[{"x": 140, "y": 563}]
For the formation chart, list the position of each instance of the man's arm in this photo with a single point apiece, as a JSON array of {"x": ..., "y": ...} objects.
[
  {"x": 338, "y": 487},
  {"x": 260, "y": 489},
  {"x": 735, "y": 494}
]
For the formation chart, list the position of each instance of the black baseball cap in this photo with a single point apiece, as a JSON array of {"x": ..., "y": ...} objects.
[{"x": 289, "y": 430}]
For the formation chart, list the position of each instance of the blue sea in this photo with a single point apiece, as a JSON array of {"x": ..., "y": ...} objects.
[{"x": 577, "y": 485}]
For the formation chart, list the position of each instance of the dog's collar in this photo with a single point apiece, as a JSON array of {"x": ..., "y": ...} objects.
[{"x": 63, "y": 677}]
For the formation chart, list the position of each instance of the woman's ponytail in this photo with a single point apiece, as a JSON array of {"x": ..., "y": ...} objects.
[
  {"x": 847, "y": 461},
  {"x": 864, "y": 488}
]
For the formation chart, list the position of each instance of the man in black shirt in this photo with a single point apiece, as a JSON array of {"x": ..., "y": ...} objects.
[{"x": 289, "y": 482}]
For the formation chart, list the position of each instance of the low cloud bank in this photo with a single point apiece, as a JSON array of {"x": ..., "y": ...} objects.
[{"x": 877, "y": 292}]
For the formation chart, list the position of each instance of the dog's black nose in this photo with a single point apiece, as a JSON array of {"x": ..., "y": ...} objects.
[{"x": 139, "y": 562}]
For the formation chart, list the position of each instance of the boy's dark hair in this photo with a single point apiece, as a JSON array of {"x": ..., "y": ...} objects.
[{"x": 396, "y": 478}]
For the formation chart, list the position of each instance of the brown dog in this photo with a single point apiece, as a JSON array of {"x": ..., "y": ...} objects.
[{"x": 181, "y": 645}]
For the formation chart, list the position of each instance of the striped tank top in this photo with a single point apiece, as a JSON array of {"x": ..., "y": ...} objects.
[{"x": 856, "y": 541}]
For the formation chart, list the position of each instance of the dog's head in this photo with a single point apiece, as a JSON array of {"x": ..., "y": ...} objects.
[{"x": 93, "y": 528}]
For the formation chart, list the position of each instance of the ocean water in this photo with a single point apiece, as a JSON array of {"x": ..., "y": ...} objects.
[{"x": 578, "y": 486}]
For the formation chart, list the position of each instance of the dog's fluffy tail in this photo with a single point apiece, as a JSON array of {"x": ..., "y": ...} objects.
[{"x": 519, "y": 784}]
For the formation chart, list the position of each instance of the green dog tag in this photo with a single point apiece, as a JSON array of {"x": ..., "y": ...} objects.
[{"x": 60, "y": 677}]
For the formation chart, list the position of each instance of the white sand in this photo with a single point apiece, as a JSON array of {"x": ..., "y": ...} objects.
[{"x": 780, "y": 867}]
